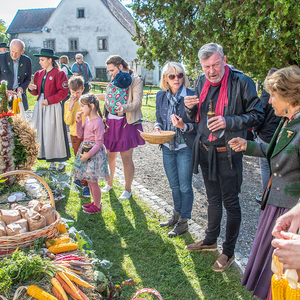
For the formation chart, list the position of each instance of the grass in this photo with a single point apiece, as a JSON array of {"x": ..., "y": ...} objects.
[
  {"x": 148, "y": 109},
  {"x": 127, "y": 233}
]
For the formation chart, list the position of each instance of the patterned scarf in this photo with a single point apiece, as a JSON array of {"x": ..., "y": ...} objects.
[
  {"x": 173, "y": 102},
  {"x": 296, "y": 115},
  {"x": 84, "y": 70},
  {"x": 222, "y": 99}
]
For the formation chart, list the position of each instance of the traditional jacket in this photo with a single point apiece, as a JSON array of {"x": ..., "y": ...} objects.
[
  {"x": 56, "y": 85},
  {"x": 284, "y": 162},
  {"x": 24, "y": 73}
]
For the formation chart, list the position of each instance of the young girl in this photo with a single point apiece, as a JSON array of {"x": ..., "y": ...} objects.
[{"x": 91, "y": 160}]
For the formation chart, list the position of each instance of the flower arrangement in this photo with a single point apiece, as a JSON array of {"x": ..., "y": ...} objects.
[{"x": 18, "y": 145}]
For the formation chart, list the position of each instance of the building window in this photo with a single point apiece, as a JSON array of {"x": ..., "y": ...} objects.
[
  {"x": 49, "y": 44},
  {"x": 80, "y": 13},
  {"x": 101, "y": 74},
  {"x": 73, "y": 44},
  {"x": 102, "y": 44}
]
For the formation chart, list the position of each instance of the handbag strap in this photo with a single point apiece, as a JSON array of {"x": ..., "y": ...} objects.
[{"x": 147, "y": 290}]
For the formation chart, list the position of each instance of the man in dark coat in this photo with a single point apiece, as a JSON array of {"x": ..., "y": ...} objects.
[
  {"x": 233, "y": 98},
  {"x": 15, "y": 68}
]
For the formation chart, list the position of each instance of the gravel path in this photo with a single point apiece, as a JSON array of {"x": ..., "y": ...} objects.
[{"x": 150, "y": 173}]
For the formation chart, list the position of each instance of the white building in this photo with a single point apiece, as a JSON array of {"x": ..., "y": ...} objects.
[{"x": 95, "y": 28}]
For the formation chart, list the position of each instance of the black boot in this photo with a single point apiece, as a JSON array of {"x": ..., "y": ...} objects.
[
  {"x": 174, "y": 219},
  {"x": 180, "y": 228}
]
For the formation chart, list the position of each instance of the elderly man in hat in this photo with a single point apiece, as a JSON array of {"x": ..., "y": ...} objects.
[
  {"x": 3, "y": 47},
  {"x": 231, "y": 96},
  {"x": 15, "y": 68}
]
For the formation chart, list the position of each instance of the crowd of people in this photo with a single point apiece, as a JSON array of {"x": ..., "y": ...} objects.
[{"x": 210, "y": 124}]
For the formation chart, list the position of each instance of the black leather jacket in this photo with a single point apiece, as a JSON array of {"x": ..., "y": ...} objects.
[{"x": 244, "y": 109}]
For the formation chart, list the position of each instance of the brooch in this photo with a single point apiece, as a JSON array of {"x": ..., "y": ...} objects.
[
  {"x": 21, "y": 65},
  {"x": 8, "y": 63},
  {"x": 50, "y": 78},
  {"x": 289, "y": 133}
]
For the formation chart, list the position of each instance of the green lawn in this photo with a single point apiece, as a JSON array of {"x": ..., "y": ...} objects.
[
  {"x": 127, "y": 233},
  {"x": 148, "y": 109}
]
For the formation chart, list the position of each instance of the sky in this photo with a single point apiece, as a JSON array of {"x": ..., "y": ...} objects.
[{"x": 9, "y": 9}]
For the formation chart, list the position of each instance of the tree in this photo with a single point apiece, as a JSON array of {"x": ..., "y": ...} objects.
[
  {"x": 256, "y": 35},
  {"x": 3, "y": 37}
]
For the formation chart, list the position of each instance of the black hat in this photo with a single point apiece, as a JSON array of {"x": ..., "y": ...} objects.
[
  {"x": 3, "y": 45},
  {"x": 45, "y": 52}
]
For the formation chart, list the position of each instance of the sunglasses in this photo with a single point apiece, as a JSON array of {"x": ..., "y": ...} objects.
[
  {"x": 78, "y": 57},
  {"x": 172, "y": 76}
]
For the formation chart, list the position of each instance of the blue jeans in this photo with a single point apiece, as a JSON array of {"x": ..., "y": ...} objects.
[
  {"x": 177, "y": 166},
  {"x": 264, "y": 167}
]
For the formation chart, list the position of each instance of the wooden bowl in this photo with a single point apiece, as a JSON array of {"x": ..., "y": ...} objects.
[{"x": 158, "y": 137}]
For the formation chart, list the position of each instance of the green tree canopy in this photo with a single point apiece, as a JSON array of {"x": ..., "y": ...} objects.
[
  {"x": 255, "y": 35},
  {"x": 3, "y": 37}
]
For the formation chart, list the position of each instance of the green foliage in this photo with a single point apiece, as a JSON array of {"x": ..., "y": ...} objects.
[
  {"x": 256, "y": 35},
  {"x": 19, "y": 153},
  {"x": 3, "y": 37}
]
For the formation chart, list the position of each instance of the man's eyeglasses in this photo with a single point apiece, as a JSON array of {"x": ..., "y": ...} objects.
[
  {"x": 78, "y": 57},
  {"x": 172, "y": 76}
]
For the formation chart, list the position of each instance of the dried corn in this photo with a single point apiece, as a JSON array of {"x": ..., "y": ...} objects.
[{"x": 63, "y": 248}]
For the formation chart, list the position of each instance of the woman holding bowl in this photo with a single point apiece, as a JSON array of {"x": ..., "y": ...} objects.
[
  {"x": 283, "y": 155},
  {"x": 123, "y": 102},
  {"x": 51, "y": 87},
  {"x": 170, "y": 115}
]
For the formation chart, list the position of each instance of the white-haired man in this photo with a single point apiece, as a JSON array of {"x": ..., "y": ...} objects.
[
  {"x": 15, "y": 68},
  {"x": 237, "y": 107}
]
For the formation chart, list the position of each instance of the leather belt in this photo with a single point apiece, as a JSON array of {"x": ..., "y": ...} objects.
[{"x": 219, "y": 149}]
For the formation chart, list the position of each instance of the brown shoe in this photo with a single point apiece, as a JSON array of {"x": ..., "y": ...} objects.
[
  {"x": 200, "y": 246},
  {"x": 222, "y": 263}
]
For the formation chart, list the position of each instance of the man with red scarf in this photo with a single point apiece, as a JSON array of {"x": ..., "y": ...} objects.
[{"x": 237, "y": 107}]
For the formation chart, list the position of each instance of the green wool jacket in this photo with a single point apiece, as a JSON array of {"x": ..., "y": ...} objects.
[{"x": 284, "y": 162}]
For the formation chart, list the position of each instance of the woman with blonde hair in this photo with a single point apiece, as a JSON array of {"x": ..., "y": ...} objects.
[
  {"x": 170, "y": 115},
  {"x": 283, "y": 156}
]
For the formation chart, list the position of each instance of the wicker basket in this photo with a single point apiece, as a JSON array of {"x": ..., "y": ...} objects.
[
  {"x": 9, "y": 243},
  {"x": 157, "y": 137}
]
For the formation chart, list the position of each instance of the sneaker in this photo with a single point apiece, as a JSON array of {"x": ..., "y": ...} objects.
[
  {"x": 126, "y": 195},
  {"x": 222, "y": 263},
  {"x": 78, "y": 184},
  {"x": 86, "y": 192},
  {"x": 106, "y": 189},
  {"x": 52, "y": 166},
  {"x": 93, "y": 209},
  {"x": 87, "y": 205},
  {"x": 61, "y": 167},
  {"x": 200, "y": 246}
]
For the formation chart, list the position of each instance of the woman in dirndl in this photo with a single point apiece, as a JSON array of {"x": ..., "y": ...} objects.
[
  {"x": 123, "y": 117},
  {"x": 51, "y": 87}
]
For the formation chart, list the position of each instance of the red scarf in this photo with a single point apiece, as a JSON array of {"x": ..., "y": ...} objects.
[
  {"x": 222, "y": 99},
  {"x": 84, "y": 70}
]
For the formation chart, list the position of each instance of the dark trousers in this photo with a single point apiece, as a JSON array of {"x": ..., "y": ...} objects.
[
  {"x": 86, "y": 88},
  {"x": 225, "y": 190}
]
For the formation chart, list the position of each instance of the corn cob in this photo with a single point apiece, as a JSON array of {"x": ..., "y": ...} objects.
[
  {"x": 53, "y": 242},
  {"x": 63, "y": 248},
  {"x": 39, "y": 294},
  {"x": 279, "y": 286},
  {"x": 293, "y": 294}
]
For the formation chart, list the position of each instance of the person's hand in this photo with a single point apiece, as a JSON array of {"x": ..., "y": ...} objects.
[
  {"x": 20, "y": 90},
  {"x": 157, "y": 129},
  {"x": 32, "y": 86},
  {"x": 191, "y": 101},
  {"x": 11, "y": 93},
  {"x": 120, "y": 110},
  {"x": 238, "y": 144},
  {"x": 79, "y": 116},
  {"x": 45, "y": 102},
  {"x": 216, "y": 123},
  {"x": 177, "y": 121},
  {"x": 290, "y": 222},
  {"x": 84, "y": 157},
  {"x": 71, "y": 103},
  {"x": 288, "y": 250},
  {"x": 76, "y": 74}
]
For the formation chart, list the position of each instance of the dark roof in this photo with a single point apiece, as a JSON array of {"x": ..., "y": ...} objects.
[
  {"x": 30, "y": 20},
  {"x": 121, "y": 14}
]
